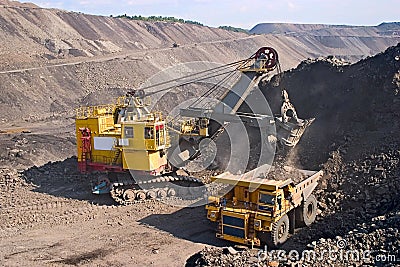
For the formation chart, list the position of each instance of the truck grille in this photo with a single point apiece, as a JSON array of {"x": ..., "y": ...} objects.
[
  {"x": 233, "y": 226},
  {"x": 233, "y": 231},
  {"x": 238, "y": 222}
]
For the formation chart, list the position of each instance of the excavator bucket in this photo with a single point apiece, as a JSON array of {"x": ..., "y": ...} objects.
[
  {"x": 290, "y": 128},
  {"x": 289, "y": 133}
]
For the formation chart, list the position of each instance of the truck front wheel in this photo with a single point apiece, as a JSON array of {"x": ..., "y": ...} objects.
[
  {"x": 279, "y": 233},
  {"x": 307, "y": 212}
]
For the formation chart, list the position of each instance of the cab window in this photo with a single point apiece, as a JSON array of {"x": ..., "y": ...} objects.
[
  {"x": 128, "y": 132},
  {"x": 279, "y": 200},
  {"x": 267, "y": 199},
  {"x": 148, "y": 133}
]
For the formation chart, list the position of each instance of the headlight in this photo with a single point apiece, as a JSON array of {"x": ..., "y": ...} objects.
[
  {"x": 213, "y": 200},
  {"x": 213, "y": 214},
  {"x": 257, "y": 223}
]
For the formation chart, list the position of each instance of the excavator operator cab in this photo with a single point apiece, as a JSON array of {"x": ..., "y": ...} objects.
[{"x": 195, "y": 127}]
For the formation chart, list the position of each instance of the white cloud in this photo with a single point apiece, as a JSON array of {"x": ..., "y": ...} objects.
[
  {"x": 244, "y": 9},
  {"x": 291, "y": 5},
  {"x": 148, "y": 2},
  {"x": 50, "y": 4}
]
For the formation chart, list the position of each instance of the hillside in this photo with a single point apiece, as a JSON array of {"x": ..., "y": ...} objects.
[
  {"x": 54, "y": 60},
  {"x": 342, "y": 40},
  {"x": 384, "y": 29}
]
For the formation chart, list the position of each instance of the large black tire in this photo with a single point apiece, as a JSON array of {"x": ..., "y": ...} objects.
[
  {"x": 279, "y": 233},
  {"x": 306, "y": 213}
]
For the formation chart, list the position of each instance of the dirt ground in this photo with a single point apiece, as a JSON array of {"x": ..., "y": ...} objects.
[{"x": 50, "y": 217}]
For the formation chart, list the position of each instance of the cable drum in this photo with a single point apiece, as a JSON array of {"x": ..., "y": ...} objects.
[{"x": 269, "y": 55}]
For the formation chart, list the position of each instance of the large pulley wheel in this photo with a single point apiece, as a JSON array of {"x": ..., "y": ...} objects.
[
  {"x": 307, "y": 212},
  {"x": 269, "y": 55},
  {"x": 279, "y": 232}
]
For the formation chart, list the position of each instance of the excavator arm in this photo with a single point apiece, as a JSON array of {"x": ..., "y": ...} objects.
[{"x": 289, "y": 128}]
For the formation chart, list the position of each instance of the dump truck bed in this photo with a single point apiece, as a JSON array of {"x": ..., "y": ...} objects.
[{"x": 261, "y": 178}]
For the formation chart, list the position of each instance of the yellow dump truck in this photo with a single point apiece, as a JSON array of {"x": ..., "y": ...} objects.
[{"x": 256, "y": 210}]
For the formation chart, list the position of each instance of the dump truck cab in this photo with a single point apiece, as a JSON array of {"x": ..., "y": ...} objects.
[{"x": 254, "y": 209}]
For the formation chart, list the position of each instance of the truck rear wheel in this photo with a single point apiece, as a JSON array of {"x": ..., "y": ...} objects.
[
  {"x": 307, "y": 212},
  {"x": 279, "y": 232}
]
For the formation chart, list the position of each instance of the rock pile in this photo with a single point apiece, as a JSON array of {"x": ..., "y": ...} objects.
[
  {"x": 358, "y": 220},
  {"x": 21, "y": 150},
  {"x": 224, "y": 257}
]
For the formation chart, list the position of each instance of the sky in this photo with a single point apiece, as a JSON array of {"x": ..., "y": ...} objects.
[{"x": 244, "y": 13}]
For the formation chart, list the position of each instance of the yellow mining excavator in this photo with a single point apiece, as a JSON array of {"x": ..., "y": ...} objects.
[{"x": 129, "y": 146}]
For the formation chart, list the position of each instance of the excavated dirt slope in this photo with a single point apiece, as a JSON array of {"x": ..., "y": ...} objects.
[
  {"x": 383, "y": 29},
  {"x": 52, "y": 61},
  {"x": 356, "y": 106}
]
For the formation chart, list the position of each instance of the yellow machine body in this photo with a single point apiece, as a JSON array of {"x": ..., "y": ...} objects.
[
  {"x": 195, "y": 127},
  {"x": 134, "y": 142},
  {"x": 252, "y": 204}
]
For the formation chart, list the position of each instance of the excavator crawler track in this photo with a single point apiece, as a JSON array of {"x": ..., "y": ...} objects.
[{"x": 128, "y": 192}]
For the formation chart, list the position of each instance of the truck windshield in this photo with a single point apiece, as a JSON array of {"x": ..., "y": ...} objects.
[{"x": 267, "y": 199}]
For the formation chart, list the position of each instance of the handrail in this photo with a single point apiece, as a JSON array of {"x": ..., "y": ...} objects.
[{"x": 94, "y": 111}]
